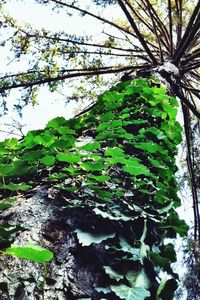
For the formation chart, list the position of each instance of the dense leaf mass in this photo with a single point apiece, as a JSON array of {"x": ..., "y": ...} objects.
[{"x": 117, "y": 161}]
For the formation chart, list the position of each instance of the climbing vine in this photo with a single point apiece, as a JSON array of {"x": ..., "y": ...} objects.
[{"x": 116, "y": 163}]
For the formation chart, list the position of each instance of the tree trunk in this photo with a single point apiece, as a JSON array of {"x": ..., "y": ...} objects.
[{"x": 107, "y": 204}]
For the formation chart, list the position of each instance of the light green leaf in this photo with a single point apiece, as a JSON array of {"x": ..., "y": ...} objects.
[
  {"x": 48, "y": 160},
  {"x": 127, "y": 293},
  {"x": 115, "y": 152},
  {"x": 113, "y": 274},
  {"x": 150, "y": 147},
  {"x": 86, "y": 238},
  {"x": 15, "y": 187},
  {"x": 103, "y": 290},
  {"x": 101, "y": 178},
  {"x": 91, "y": 146},
  {"x": 138, "y": 279},
  {"x": 68, "y": 157},
  {"x": 30, "y": 252},
  {"x": 106, "y": 215},
  {"x": 107, "y": 116},
  {"x": 93, "y": 166},
  {"x": 130, "y": 249},
  {"x": 134, "y": 167}
]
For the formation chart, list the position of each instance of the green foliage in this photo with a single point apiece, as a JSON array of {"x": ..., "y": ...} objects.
[
  {"x": 31, "y": 252},
  {"x": 123, "y": 175},
  {"x": 127, "y": 293}
]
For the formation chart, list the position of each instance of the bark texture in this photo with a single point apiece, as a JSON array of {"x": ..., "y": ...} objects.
[{"x": 72, "y": 273}]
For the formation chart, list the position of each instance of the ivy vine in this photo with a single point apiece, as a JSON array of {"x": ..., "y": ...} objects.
[{"x": 118, "y": 162}]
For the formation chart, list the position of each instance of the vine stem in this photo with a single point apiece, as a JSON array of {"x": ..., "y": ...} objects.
[{"x": 44, "y": 279}]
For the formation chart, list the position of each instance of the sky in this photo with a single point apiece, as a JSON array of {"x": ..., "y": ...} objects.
[{"x": 40, "y": 16}]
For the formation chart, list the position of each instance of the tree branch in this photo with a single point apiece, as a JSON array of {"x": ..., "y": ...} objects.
[
  {"x": 86, "y": 12},
  {"x": 137, "y": 32},
  {"x": 190, "y": 32},
  {"x": 71, "y": 74},
  {"x": 170, "y": 26}
]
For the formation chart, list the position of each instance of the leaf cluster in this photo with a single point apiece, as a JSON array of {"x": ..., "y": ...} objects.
[{"x": 117, "y": 162}]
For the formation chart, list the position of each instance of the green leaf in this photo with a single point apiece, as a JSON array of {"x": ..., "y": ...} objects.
[
  {"x": 166, "y": 289},
  {"x": 150, "y": 147},
  {"x": 127, "y": 293},
  {"x": 30, "y": 252},
  {"x": 114, "y": 216},
  {"x": 168, "y": 252},
  {"x": 101, "y": 178},
  {"x": 64, "y": 142},
  {"x": 138, "y": 279},
  {"x": 5, "y": 205},
  {"x": 48, "y": 160},
  {"x": 86, "y": 238},
  {"x": 56, "y": 122},
  {"x": 130, "y": 249},
  {"x": 68, "y": 157},
  {"x": 113, "y": 274},
  {"x": 90, "y": 146},
  {"x": 93, "y": 166},
  {"x": 10, "y": 143},
  {"x": 103, "y": 290},
  {"x": 112, "y": 100},
  {"x": 65, "y": 130},
  {"x": 102, "y": 126},
  {"x": 162, "y": 262},
  {"x": 170, "y": 110},
  {"x": 116, "y": 123},
  {"x": 178, "y": 225},
  {"x": 115, "y": 152},
  {"x": 107, "y": 116},
  {"x": 15, "y": 187},
  {"x": 134, "y": 167},
  {"x": 6, "y": 170}
]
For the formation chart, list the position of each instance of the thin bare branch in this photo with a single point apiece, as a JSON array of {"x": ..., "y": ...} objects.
[
  {"x": 71, "y": 74},
  {"x": 191, "y": 29},
  {"x": 170, "y": 26},
  {"x": 163, "y": 30},
  {"x": 86, "y": 12},
  {"x": 137, "y": 32},
  {"x": 155, "y": 32},
  {"x": 191, "y": 67}
]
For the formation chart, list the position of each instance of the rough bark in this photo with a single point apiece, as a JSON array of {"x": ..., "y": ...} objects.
[{"x": 72, "y": 273}]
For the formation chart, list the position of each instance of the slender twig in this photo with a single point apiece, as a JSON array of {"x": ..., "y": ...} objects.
[
  {"x": 159, "y": 22},
  {"x": 191, "y": 67},
  {"x": 137, "y": 32},
  {"x": 170, "y": 26},
  {"x": 156, "y": 34},
  {"x": 90, "y": 72},
  {"x": 190, "y": 31},
  {"x": 191, "y": 56},
  {"x": 86, "y": 12}
]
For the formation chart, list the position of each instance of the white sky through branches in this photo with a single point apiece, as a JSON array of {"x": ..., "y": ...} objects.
[{"x": 40, "y": 16}]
